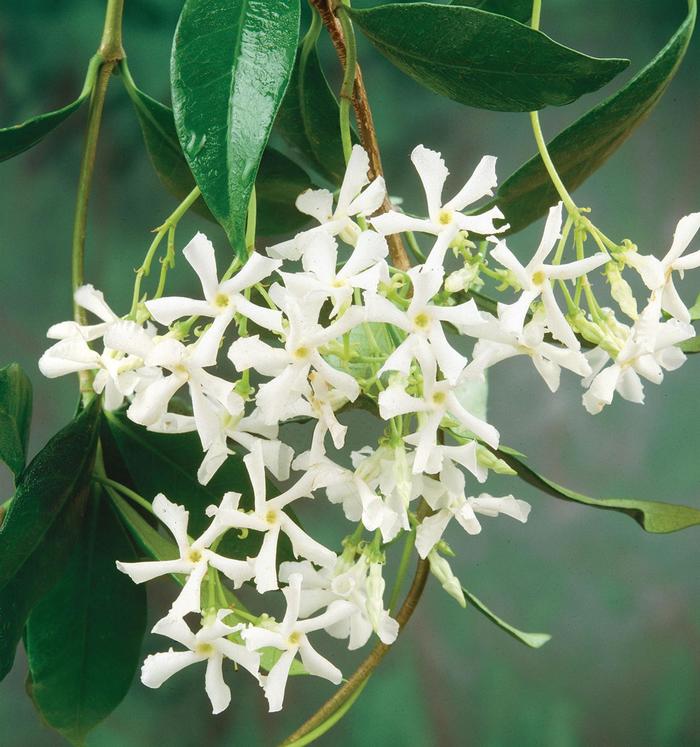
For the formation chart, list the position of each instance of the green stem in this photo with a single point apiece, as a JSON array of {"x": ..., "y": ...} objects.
[
  {"x": 126, "y": 492},
  {"x": 170, "y": 222},
  {"x": 109, "y": 54},
  {"x": 331, "y": 721},
  {"x": 348, "y": 85},
  {"x": 539, "y": 138}
]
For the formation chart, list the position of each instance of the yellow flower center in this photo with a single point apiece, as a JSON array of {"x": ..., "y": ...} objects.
[
  {"x": 294, "y": 638},
  {"x": 445, "y": 217},
  {"x": 339, "y": 283},
  {"x": 205, "y": 649},
  {"x": 301, "y": 352},
  {"x": 221, "y": 300},
  {"x": 439, "y": 398},
  {"x": 422, "y": 320},
  {"x": 194, "y": 555},
  {"x": 539, "y": 277},
  {"x": 271, "y": 516}
]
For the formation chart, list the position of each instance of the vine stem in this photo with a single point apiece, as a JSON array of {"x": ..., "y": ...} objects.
[
  {"x": 110, "y": 52},
  {"x": 328, "y": 710},
  {"x": 566, "y": 198},
  {"x": 363, "y": 115}
]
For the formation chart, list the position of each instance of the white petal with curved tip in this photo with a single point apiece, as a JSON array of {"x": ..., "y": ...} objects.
[
  {"x": 150, "y": 569},
  {"x": 685, "y": 232},
  {"x": 93, "y": 300},
  {"x": 167, "y": 310},
  {"x": 430, "y": 531},
  {"x": 370, "y": 199},
  {"x": 202, "y": 258},
  {"x": 276, "y": 681},
  {"x": 395, "y": 222},
  {"x": 157, "y": 668},
  {"x": 355, "y": 178},
  {"x": 217, "y": 690},
  {"x": 550, "y": 236},
  {"x": 433, "y": 173},
  {"x": 318, "y": 203},
  {"x": 175, "y": 517},
  {"x": 480, "y": 184}
]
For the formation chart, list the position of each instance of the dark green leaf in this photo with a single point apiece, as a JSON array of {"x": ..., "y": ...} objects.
[
  {"x": 278, "y": 181},
  {"x": 15, "y": 416},
  {"x": 518, "y": 10},
  {"x": 308, "y": 119},
  {"x": 584, "y": 146},
  {"x": 534, "y": 640},
  {"x": 231, "y": 63},
  {"x": 148, "y": 539},
  {"x": 277, "y": 186},
  {"x": 691, "y": 346},
  {"x": 481, "y": 59},
  {"x": 15, "y": 140},
  {"x": 55, "y": 475},
  {"x": 40, "y": 529},
  {"x": 168, "y": 463},
  {"x": 83, "y": 638},
  {"x": 163, "y": 147},
  {"x": 652, "y": 516}
]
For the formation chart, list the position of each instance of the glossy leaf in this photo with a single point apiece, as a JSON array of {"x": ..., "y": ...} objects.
[
  {"x": 168, "y": 463},
  {"x": 481, "y": 59},
  {"x": 80, "y": 667},
  {"x": 15, "y": 416},
  {"x": 231, "y": 63},
  {"x": 533, "y": 640},
  {"x": 584, "y": 146},
  {"x": 15, "y": 140},
  {"x": 146, "y": 537},
  {"x": 652, "y": 516},
  {"x": 308, "y": 119},
  {"x": 518, "y": 10},
  {"x": 163, "y": 147},
  {"x": 278, "y": 182},
  {"x": 42, "y": 524}
]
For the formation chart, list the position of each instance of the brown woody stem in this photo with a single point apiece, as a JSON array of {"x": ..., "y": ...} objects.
[{"x": 365, "y": 123}]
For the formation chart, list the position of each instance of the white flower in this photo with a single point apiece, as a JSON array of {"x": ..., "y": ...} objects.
[
  {"x": 450, "y": 502},
  {"x": 320, "y": 403},
  {"x": 359, "y": 582},
  {"x": 535, "y": 280},
  {"x": 291, "y": 637},
  {"x": 437, "y": 401},
  {"x": 220, "y": 299},
  {"x": 657, "y": 274},
  {"x": 353, "y": 200},
  {"x": 186, "y": 364},
  {"x": 289, "y": 367},
  {"x": 377, "y": 491},
  {"x": 446, "y": 216},
  {"x": 195, "y": 556},
  {"x": 118, "y": 374},
  {"x": 216, "y": 424},
  {"x": 422, "y": 322},
  {"x": 498, "y": 344},
  {"x": 650, "y": 348},
  {"x": 268, "y": 517},
  {"x": 210, "y": 644},
  {"x": 365, "y": 268}
]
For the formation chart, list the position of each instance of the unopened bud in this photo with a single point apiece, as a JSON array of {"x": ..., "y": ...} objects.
[{"x": 440, "y": 568}]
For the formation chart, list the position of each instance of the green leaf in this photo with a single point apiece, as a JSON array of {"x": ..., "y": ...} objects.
[
  {"x": 585, "y": 145},
  {"x": 308, "y": 118},
  {"x": 15, "y": 416},
  {"x": 163, "y": 147},
  {"x": 481, "y": 59},
  {"x": 518, "y": 10},
  {"x": 15, "y": 140},
  {"x": 83, "y": 638},
  {"x": 278, "y": 182},
  {"x": 40, "y": 528},
  {"x": 277, "y": 186},
  {"x": 652, "y": 516},
  {"x": 230, "y": 66},
  {"x": 168, "y": 463},
  {"x": 533, "y": 640},
  {"x": 148, "y": 539}
]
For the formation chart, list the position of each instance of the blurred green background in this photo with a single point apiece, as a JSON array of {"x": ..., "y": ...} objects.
[{"x": 623, "y": 607}]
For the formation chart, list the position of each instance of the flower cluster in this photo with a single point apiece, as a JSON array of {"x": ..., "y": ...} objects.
[{"x": 324, "y": 322}]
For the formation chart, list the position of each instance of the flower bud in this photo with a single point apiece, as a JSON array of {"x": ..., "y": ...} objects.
[
  {"x": 620, "y": 290},
  {"x": 440, "y": 568}
]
